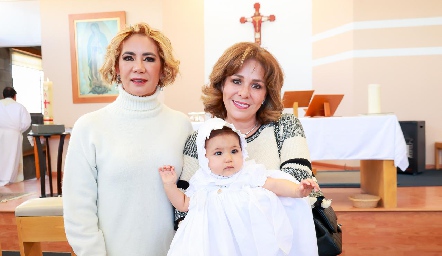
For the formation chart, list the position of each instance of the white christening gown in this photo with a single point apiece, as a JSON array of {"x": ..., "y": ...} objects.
[{"x": 236, "y": 216}]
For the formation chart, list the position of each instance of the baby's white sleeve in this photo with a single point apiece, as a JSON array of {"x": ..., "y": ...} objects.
[{"x": 257, "y": 175}]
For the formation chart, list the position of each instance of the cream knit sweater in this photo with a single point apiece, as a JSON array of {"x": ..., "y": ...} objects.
[{"x": 113, "y": 198}]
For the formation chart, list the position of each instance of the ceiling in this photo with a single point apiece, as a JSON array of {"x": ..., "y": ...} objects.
[{"x": 20, "y": 23}]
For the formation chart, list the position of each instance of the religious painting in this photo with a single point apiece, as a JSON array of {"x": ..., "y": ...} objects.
[{"x": 90, "y": 33}]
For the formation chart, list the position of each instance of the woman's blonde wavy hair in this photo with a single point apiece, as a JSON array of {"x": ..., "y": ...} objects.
[
  {"x": 228, "y": 64},
  {"x": 169, "y": 65}
]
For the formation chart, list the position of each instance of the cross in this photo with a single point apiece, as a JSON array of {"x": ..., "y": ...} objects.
[
  {"x": 256, "y": 20},
  {"x": 46, "y": 103}
]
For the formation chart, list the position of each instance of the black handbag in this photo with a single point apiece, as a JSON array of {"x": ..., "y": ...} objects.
[{"x": 328, "y": 230}]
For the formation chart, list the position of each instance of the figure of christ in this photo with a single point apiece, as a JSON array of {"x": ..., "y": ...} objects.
[{"x": 256, "y": 20}]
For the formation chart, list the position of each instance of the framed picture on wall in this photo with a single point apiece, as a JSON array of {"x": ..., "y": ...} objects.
[{"x": 90, "y": 33}]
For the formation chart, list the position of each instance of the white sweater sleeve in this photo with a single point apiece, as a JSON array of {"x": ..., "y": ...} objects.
[{"x": 80, "y": 194}]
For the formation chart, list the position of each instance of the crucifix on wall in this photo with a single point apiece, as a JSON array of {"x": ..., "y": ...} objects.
[{"x": 256, "y": 20}]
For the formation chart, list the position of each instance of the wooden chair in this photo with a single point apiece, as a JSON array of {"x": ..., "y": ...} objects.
[
  {"x": 39, "y": 220},
  {"x": 437, "y": 148}
]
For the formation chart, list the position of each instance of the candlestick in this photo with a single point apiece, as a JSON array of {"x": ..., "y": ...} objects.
[{"x": 48, "y": 117}]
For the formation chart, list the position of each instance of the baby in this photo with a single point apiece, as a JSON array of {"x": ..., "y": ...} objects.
[{"x": 237, "y": 207}]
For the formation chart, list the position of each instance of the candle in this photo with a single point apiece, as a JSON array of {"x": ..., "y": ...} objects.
[
  {"x": 374, "y": 99},
  {"x": 48, "y": 117}
]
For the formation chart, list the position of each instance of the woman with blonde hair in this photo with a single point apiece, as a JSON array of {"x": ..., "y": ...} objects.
[{"x": 113, "y": 199}]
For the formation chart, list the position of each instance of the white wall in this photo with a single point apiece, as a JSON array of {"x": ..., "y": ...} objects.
[
  {"x": 288, "y": 38},
  {"x": 20, "y": 23}
]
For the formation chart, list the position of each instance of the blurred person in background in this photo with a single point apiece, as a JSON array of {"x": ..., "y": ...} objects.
[{"x": 14, "y": 120}]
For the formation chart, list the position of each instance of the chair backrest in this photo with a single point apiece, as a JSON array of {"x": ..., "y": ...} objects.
[
  {"x": 29, "y": 171},
  {"x": 36, "y": 118}
]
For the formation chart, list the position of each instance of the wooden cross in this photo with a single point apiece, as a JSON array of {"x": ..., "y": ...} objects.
[{"x": 256, "y": 20}]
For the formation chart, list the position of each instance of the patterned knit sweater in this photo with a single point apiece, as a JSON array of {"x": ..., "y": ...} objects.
[
  {"x": 277, "y": 145},
  {"x": 113, "y": 198}
]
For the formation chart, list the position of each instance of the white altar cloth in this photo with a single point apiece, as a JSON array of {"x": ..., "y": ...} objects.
[{"x": 367, "y": 137}]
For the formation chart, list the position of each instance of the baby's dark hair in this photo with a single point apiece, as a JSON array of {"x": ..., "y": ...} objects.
[{"x": 223, "y": 131}]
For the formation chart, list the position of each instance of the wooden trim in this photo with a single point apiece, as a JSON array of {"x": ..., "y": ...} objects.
[
  {"x": 33, "y": 51},
  {"x": 335, "y": 166},
  {"x": 76, "y": 44}
]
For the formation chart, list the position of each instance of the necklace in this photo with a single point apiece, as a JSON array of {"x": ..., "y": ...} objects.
[{"x": 253, "y": 128}]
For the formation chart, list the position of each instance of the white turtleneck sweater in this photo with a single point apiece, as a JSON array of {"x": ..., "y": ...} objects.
[{"x": 113, "y": 198}]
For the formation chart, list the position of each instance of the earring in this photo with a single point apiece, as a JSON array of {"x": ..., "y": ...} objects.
[
  {"x": 160, "y": 85},
  {"x": 118, "y": 79},
  {"x": 263, "y": 102}
]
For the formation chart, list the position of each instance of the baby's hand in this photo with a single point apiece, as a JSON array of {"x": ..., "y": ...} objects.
[
  {"x": 306, "y": 186},
  {"x": 168, "y": 174}
]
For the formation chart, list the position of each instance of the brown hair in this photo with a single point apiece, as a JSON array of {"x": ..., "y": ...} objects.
[
  {"x": 170, "y": 65},
  {"x": 228, "y": 64},
  {"x": 223, "y": 131}
]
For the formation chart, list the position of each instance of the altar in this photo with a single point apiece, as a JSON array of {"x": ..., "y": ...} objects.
[{"x": 376, "y": 140}]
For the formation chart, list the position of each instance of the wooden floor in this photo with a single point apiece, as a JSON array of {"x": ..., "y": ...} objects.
[{"x": 413, "y": 228}]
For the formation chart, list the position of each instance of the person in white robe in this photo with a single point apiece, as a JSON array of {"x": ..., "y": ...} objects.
[
  {"x": 237, "y": 207},
  {"x": 14, "y": 120}
]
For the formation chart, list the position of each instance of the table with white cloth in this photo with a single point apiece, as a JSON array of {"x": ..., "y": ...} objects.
[{"x": 376, "y": 140}]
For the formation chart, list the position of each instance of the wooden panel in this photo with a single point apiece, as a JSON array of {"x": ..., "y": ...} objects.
[
  {"x": 302, "y": 98},
  {"x": 324, "y": 104},
  {"x": 379, "y": 177},
  {"x": 9, "y": 234},
  {"x": 31, "y": 249},
  {"x": 41, "y": 229}
]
